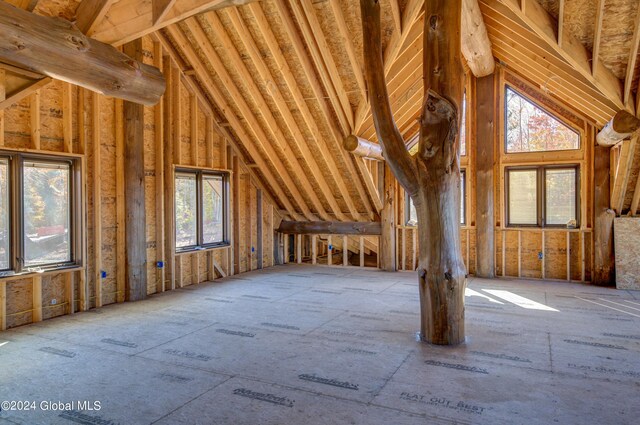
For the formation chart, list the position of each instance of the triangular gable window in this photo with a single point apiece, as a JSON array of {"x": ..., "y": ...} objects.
[{"x": 532, "y": 129}]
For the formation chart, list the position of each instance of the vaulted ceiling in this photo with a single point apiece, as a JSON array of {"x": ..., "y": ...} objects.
[{"x": 287, "y": 75}]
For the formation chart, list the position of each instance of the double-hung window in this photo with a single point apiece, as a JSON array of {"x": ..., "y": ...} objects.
[
  {"x": 201, "y": 209},
  {"x": 39, "y": 210}
]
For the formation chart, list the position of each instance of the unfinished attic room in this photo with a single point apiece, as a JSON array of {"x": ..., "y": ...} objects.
[{"x": 372, "y": 212}]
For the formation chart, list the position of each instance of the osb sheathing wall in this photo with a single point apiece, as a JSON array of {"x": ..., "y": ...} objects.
[
  {"x": 96, "y": 137},
  {"x": 550, "y": 253}
]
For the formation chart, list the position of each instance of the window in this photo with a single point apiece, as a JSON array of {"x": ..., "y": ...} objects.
[
  {"x": 412, "y": 216},
  {"x": 542, "y": 196},
  {"x": 38, "y": 207},
  {"x": 529, "y": 128},
  {"x": 200, "y": 209}
]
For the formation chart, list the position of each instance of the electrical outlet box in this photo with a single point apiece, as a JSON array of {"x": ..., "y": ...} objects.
[
  {"x": 54, "y": 301},
  {"x": 103, "y": 274},
  {"x": 159, "y": 264}
]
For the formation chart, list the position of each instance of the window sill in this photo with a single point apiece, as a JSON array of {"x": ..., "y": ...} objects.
[
  {"x": 45, "y": 272},
  {"x": 188, "y": 251}
]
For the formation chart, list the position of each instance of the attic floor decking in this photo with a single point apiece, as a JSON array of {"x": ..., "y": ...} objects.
[{"x": 304, "y": 344}]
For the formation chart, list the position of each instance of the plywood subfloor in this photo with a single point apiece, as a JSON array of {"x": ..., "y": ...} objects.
[{"x": 303, "y": 344}]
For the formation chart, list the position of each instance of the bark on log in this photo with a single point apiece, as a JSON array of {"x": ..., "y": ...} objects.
[
  {"x": 329, "y": 228},
  {"x": 56, "y": 48},
  {"x": 433, "y": 177},
  {"x": 363, "y": 147},
  {"x": 476, "y": 46},
  {"x": 622, "y": 126}
]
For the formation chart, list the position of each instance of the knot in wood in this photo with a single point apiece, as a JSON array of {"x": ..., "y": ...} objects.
[
  {"x": 434, "y": 22},
  {"x": 116, "y": 85},
  {"x": 422, "y": 273},
  {"x": 448, "y": 276},
  {"x": 80, "y": 43},
  {"x": 19, "y": 45}
]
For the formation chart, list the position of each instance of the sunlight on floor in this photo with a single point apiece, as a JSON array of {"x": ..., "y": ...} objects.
[
  {"x": 518, "y": 300},
  {"x": 471, "y": 293}
]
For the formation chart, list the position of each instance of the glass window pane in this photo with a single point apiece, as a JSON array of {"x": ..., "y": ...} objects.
[
  {"x": 5, "y": 240},
  {"x": 186, "y": 210},
  {"x": 412, "y": 220},
  {"x": 47, "y": 213},
  {"x": 212, "y": 206},
  {"x": 531, "y": 129},
  {"x": 560, "y": 196},
  {"x": 523, "y": 197}
]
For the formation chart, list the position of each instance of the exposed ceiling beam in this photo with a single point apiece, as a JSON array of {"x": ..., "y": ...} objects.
[
  {"x": 309, "y": 118},
  {"x": 202, "y": 74},
  {"x": 395, "y": 13},
  {"x": 308, "y": 65},
  {"x": 91, "y": 12},
  {"x": 476, "y": 47},
  {"x": 128, "y": 20},
  {"x": 631, "y": 63},
  {"x": 536, "y": 18},
  {"x": 267, "y": 80},
  {"x": 56, "y": 48},
  {"x": 597, "y": 35},
  {"x": 27, "y": 91},
  {"x": 159, "y": 9},
  {"x": 354, "y": 57},
  {"x": 196, "y": 88},
  {"x": 260, "y": 136},
  {"x": 236, "y": 63},
  {"x": 560, "y": 22}
]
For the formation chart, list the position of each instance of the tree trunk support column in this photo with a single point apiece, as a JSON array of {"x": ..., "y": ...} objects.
[
  {"x": 135, "y": 221},
  {"x": 432, "y": 177},
  {"x": 388, "y": 222}
]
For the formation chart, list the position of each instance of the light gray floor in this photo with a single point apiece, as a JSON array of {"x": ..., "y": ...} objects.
[{"x": 303, "y": 344}]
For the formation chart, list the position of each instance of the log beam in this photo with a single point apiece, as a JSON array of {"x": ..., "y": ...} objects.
[
  {"x": 135, "y": 220},
  {"x": 476, "y": 47},
  {"x": 56, "y": 48},
  {"x": 621, "y": 127},
  {"x": 363, "y": 147},
  {"x": 330, "y": 228}
]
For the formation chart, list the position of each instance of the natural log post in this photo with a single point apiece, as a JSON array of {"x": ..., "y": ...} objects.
[
  {"x": 622, "y": 126},
  {"x": 363, "y": 147},
  {"x": 329, "y": 228},
  {"x": 485, "y": 130},
  {"x": 432, "y": 177},
  {"x": 56, "y": 48},
  {"x": 476, "y": 46},
  {"x": 135, "y": 220},
  {"x": 387, "y": 252},
  {"x": 603, "y": 256}
]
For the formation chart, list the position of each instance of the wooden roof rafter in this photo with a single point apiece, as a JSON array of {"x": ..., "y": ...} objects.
[
  {"x": 314, "y": 38},
  {"x": 294, "y": 89},
  {"x": 213, "y": 119},
  {"x": 535, "y": 17},
  {"x": 254, "y": 92},
  {"x": 214, "y": 92},
  {"x": 411, "y": 29},
  {"x": 308, "y": 68},
  {"x": 267, "y": 79}
]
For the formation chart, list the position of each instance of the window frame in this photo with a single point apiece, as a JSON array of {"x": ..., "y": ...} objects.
[
  {"x": 200, "y": 174},
  {"x": 16, "y": 161},
  {"x": 508, "y": 87},
  {"x": 541, "y": 194}
]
